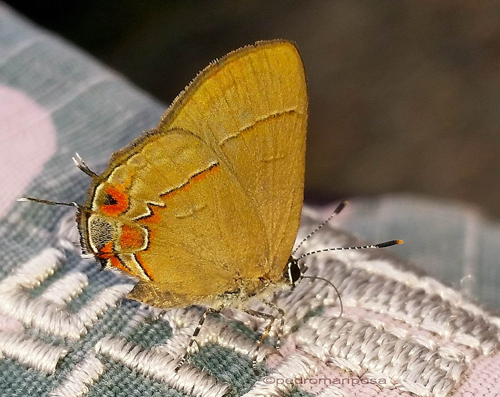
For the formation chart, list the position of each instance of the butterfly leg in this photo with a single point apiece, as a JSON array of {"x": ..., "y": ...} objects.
[
  {"x": 208, "y": 310},
  {"x": 265, "y": 334},
  {"x": 279, "y": 330}
]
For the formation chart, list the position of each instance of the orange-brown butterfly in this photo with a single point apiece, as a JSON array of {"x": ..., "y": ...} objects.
[{"x": 205, "y": 208}]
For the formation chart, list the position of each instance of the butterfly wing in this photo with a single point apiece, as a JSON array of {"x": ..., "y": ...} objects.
[
  {"x": 251, "y": 108},
  {"x": 209, "y": 203},
  {"x": 174, "y": 216}
]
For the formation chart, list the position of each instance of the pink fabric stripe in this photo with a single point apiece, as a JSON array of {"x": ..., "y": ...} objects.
[
  {"x": 483, "y": 378},
  {"x": 27, "y": 141}
]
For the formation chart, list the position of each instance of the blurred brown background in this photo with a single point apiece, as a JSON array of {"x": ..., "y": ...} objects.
[{"x": 404, "y": 95}]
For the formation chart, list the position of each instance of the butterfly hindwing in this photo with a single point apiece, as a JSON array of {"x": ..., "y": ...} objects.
[{"x": 189, "y": 208}]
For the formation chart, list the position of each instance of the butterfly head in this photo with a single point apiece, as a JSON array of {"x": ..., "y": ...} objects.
[{"x": 294, "y": 271}]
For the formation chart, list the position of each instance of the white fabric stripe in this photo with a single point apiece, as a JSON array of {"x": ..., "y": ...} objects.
[
  {"x": 392, "y": 356},
  {"x": 161, "y": 367},
  {"x": 45, "y": 314},
  {"x": 66, "y": 288},
  {"x": 80, "y": 378},
  {"x": 280, "y": 381},
  {"x": 446, "y": 351},
  {"x": 30, "y": 352},
  {"x": 144, "y": 312},
  {"x": 32, "y": 273},
  {"x": 428, "y": 284},
  {"x": 83, "y": 87},
  {"x": 444, "y": 331}
]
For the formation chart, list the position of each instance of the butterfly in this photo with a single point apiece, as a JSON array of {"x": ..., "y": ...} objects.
[{"x": 205, "y": 208}]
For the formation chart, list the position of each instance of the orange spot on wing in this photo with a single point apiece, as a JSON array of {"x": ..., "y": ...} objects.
[
  {"x": 155, "y": 216},
  {"x": 115, "y": 262},
  {"x": 182, "y": 188},
  {"x": 204, "y": 174},
  {"x": 131, "y": 237},
  {"x": 146, "y": 269},
  {"x": 120, "y": 197},
  {"x": 106, "y": 252},
  {"x": 192, "y": 179}
]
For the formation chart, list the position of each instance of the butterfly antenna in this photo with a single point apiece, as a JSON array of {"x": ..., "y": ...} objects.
[
  {"x": 361, "y": 247},
  {"x": 334, "y": 287},
  {"x": 80, "y": 208},
  {"x": 339, "y": 208},
  {"x": 48, "y": 202},
  {"x": 83, "y": 166}
]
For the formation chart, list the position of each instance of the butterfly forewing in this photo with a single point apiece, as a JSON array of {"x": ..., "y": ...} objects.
[{"x": 251, "y": 108}]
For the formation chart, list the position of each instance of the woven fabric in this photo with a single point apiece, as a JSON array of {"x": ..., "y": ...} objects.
[
  {"x": 66, "y": 328},
  {"x": 450, "y": 241}
]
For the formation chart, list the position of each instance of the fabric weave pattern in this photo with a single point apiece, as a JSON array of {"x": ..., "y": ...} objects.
[{"x": 67, "y": 330}]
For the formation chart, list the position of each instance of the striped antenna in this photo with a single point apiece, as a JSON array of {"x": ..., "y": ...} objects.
[
  {"x": 361, "y": 247},
  {"x": 48, "y": 202},
  {"x": 337, "y": 210},
  {"x": 80, "y": 208}
]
